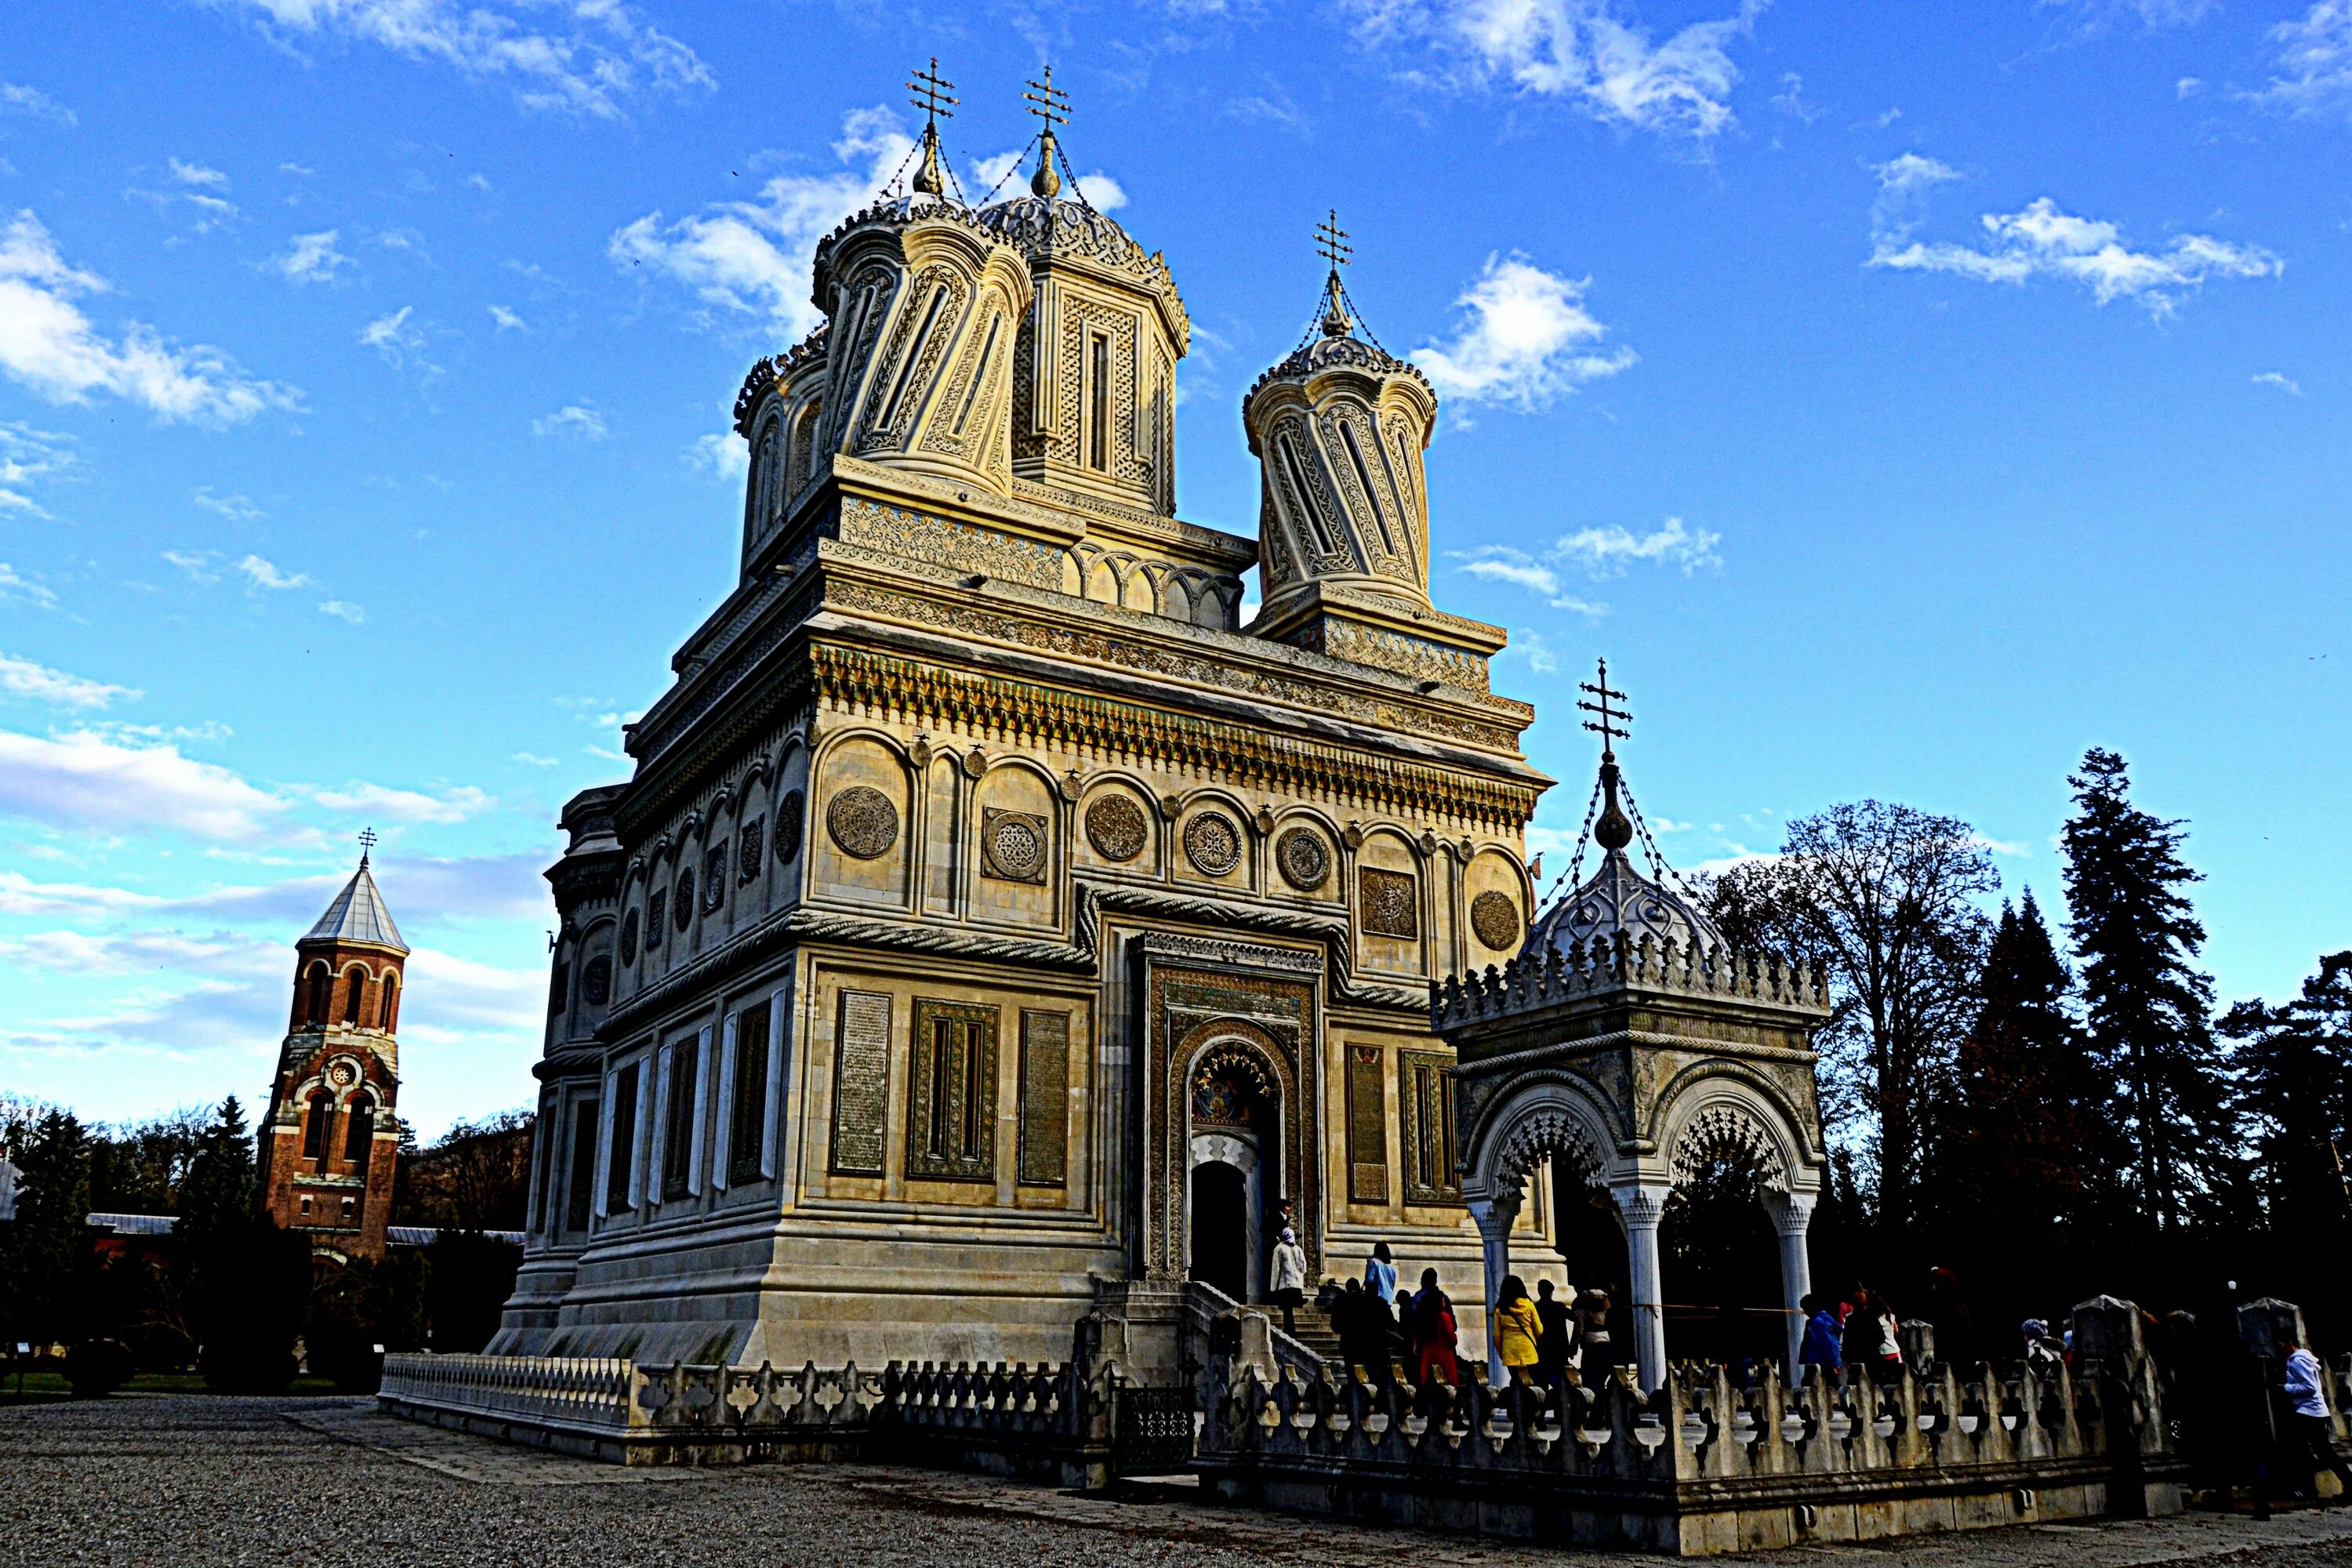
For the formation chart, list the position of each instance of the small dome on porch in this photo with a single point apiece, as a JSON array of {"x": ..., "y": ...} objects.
[{"x": 1618, "y": 898}]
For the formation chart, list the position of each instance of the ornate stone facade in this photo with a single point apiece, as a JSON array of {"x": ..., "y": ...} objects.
[{"x": 982, "y": 919}]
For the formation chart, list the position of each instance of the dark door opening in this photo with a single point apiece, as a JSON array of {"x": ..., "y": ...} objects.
[{"x": 1221, "y": 1227}]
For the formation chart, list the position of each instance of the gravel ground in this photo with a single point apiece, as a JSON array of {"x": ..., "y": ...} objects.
[{"x": 162, "y": 1480}]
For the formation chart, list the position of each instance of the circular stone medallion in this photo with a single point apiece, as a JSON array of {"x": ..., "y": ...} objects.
[
  {"x": 1016, "y": 847},
  {"x": 1116, "y": 827},
  {"x": 342, "y": 1074},
  {"x": 863, "y": 821},
  {"x": 1304, "y": 861},
  {"x": 1495, "y": 917},
  {"x": 1213, "y": 843}
]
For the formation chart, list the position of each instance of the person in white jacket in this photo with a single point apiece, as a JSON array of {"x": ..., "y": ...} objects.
[
  {"x": 1287, "y": 1287},
  {"x": 2310, "y": 1434}
]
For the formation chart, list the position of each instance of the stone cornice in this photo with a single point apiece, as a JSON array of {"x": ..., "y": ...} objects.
[{"x": 1076, "y": 721}]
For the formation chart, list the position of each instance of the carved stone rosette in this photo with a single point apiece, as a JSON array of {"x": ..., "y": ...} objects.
[
  {"x": 1304, "y": 859},
  {"x": 1015, "y": 846},
  {"x": 1213, "y": 843},
  {"x": 1116, "y": 827},
  {"x": 863, "y": 821},
  {"x": 1495, "y": 916}
]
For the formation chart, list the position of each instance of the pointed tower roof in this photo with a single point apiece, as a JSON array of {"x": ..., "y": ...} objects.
[{"x": 358, "y": 915}]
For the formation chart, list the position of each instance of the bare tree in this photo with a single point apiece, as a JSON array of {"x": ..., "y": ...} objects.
[{"x": 1885, "y": 896}]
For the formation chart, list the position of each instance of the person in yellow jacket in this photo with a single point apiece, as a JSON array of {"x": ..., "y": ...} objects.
[{"x": 1516, "y": 1329}]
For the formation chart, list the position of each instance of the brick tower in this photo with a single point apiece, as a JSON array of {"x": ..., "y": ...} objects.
[{"x": 327, "y": 1150}]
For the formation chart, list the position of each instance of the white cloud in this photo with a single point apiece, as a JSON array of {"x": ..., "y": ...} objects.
[
  {"x": 2285, "y": 383},
  {"x": 262, "y": 575},
  {"x": 2187, "y": 87},
  {"x": 533, "y": 759},
  {"x": 1791, "y": 99},
  {"x": 723, "y": 452},
  {"x": 235, "y": 508},
  {"x": 1605, "y": 551},
  {"x": 1584, "y": 51},
  {"x": 197, "y": 174},
  {"x": 607, "y": 55},
  {"x": 395, "y": 340},
  {"x": 343, "y": 610},
  {"x": 196, "y": 564},
  {"x": 2313, "y": 62},
  {"x": 1532, "y": 647},
  {"x": 754, "y": 258},
  {"x": 508, "y": 320},
  {"x": 405, "y": 804},
  {"x": 29, "y": 455},
  {"x": 31, "y": 102},
  {"x": 1525, "y": 338},
  {"x": 312, "y": 257},
  {"x": 39, "y": 683},
  {"x": 14, "y": 585},
  {"x": 579, "y": 419},
  {"x": 2152, "y": 15},
  {"x": 49, "y": 345},
  {"x": 1596, "y": 552},
  {"x": 88, "y": 781},
  {"x": 2042, "y": 241}
]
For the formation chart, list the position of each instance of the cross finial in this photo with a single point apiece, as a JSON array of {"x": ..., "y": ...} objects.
[
  {"x": 931, "y": 96},
  {"x": 1331, "y": 242},
  {"x": 1051, "y": 105},
  {"x": 932, "y": 93},
  {"x": 1614, "y": 723},
  {"x": 367, "y": 843}
]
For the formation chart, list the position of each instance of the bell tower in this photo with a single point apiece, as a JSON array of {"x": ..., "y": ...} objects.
[{"x": 327, "y": 1147}]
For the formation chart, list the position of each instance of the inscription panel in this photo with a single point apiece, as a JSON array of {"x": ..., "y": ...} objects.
[
  {"x": 1044, "y": 1098},
  {"x": 1367, "y": 1126},
  {"x": 861, "y": 1086}
]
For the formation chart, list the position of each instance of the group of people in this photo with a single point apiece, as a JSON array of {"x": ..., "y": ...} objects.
[{"x": 1383, "y": 1326}]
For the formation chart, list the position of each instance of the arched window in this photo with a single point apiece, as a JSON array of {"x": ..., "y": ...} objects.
[
  {"x": 391, "y": 999},
  {"x": 357, "y": 977},
  {"x": 323, "y": 982},
  {"x": 316, "y": 1134},
  {"x": 359, "y": 1133}
]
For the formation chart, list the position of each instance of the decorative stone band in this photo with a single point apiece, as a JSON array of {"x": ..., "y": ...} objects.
[
  {"x": 1703, "y": 1463},
  {"x": 1547, "y": 977},
  {"x": 1016, "y": 710}
]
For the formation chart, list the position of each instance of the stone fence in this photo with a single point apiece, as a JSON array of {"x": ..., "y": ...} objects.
[
  {"x": 1701, "y": 1465},
  {"x": 1045, "y": 1423}
]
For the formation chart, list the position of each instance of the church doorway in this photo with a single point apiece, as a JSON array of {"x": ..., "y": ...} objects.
[
  {"x": 1220, "y": 1242},
  {"x": 1232, "y": 1185}
]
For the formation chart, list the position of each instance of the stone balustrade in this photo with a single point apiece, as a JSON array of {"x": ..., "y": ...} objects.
[
  {"x": 586, "y": 1391},
  {"x": 1544, "y": 976},
  {"x": 1701, "y": 1465}
]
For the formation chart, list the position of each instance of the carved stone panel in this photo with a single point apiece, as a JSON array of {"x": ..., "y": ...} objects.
[
  {"x": 1116, "y": 828},
  {"x": 1213, "y": 843},
  {"x": 861, "y": 1085},
  {"x": 1044, "y": 1098},
  {"x": 1015, "y": 846},
  {"x": 1495, "y": 916},
  {"x": 863, "y": 821},
  {"x": 1367, "y": 1125},
  {"x": 1304, "y": 859},
  {"x": 1388, "y": 903},
  {"x": 788, "y": 826}
]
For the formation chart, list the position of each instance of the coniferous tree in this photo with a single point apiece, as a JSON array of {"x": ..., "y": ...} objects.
[
  {"x": 2294, "y": 1064},
  {"x": 41, "y": 1252},
  {"x": 217, "y": 1194},
  {"x": 2145, "y": 1002},
  {"x": 2023, "y": 1166}
]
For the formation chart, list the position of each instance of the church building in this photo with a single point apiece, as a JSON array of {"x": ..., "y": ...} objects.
[
  {"x": 330, "y": 1139},
  {"x": 996, "y": 928}
]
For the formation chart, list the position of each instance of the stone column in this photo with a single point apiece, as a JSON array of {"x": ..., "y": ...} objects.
[
  {"x": 1642, "y": 1204},
  {"x": 1792, "y": 1215},
  {"x": 1495, "y": 1230}
]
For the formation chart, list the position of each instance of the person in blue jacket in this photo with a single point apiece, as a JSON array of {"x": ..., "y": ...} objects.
[{"x": 1821, "y": 1331}]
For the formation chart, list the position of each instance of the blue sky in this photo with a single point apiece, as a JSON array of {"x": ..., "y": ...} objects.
[{"x": 1902, "y": 399}]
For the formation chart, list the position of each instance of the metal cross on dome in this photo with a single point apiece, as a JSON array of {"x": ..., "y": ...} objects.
[
  {"x": 933, "y": 93},
  {"x": 1051, "y": 105},
  {"x": 367, "y": 843},
  {"x": 1331, "y": 242},
  {"x": 1614, "y": 723}
]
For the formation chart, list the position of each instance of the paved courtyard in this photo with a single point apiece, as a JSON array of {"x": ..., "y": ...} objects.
[{"x": 159, "y": 1482}]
